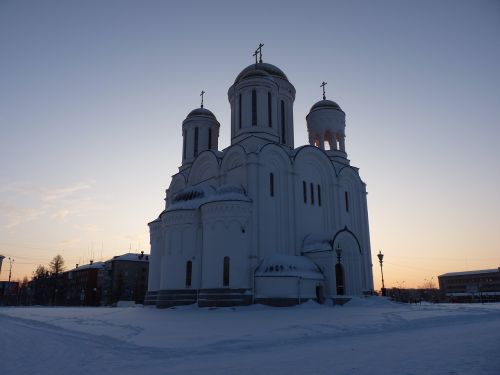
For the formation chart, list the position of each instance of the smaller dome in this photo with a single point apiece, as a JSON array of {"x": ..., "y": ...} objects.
[
  {"x": 201, "y": 112},
  {"x": 325, "y": 104}
]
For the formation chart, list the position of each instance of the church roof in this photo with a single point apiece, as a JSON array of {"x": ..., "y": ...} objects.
[
  {"x": 325, "y": 104},
  {"x": 261, "y": 69},
  {"x": 201, "y": 112}
]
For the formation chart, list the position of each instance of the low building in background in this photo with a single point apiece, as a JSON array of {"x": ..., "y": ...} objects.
[
  {"x": 8, "y": 292},
  {"x": 471, "y": 286},
  {"x": 82, "y": 287},
  {"x": 124, "y": 278}
]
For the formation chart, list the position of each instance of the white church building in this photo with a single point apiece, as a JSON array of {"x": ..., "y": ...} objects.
[{"x": 262, "y": 221}]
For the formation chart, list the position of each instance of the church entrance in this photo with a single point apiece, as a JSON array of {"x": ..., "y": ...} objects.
[
  {"x": 320, "y": 298},
  {"x": 339, "y": 279}
]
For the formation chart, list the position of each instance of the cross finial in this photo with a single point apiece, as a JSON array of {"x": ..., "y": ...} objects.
[
  {"x": 202, "y": 93},
  {"x": 258, "y": 52},
  {"x": 323, "y": 85}
]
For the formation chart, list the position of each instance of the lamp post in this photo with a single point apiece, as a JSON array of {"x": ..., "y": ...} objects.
[
  {"x": 381, "y": 260},
  {"x": 338, "y": 250},
  {"x": 339, "y": 274}
]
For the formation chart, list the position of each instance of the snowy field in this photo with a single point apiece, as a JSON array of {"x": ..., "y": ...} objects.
[{"x": 366, "y": 336}]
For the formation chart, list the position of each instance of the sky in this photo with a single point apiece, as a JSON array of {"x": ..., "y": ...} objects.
[{"x": 93, "y": 94}]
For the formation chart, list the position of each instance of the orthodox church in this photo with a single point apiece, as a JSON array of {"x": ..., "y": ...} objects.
[{"x": 262, "y": 221}]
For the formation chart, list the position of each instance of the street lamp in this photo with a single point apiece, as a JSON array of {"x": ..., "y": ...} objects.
[
  {"x": 381, "y": 259},
  {"x": 338, "y": 250}
]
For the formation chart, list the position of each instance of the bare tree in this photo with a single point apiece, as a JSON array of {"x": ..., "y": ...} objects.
[
  {"x": 40, "y": 272},
  {"x": 56, "y": 265}
]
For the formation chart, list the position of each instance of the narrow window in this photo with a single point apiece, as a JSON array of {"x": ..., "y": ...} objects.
[
  {"x": 239, "y": 111},
  {"x": 346, "y": 201},
  {"x": 312, "y": 193},
  {"x": 319, "y": 195},
  {"x": 269, "y": 110},
  {"x": 254, "y": 108},
  {"x": 283, "y": 122},
  {"x": 189, "y": 273},
  {"x": 225, "y": 281},
  {"x": 184, "y": 146},
  {"x": 196, "y": 141},
  {"x": 271, "y": 184},
  {"x": 209, "y": 138},
  {"x": 304, "y": 189}
]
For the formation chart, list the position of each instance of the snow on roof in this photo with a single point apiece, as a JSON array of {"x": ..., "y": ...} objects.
[
  {"x": 317, "y": 242},
  {"x": 88, "y": 266},
  {"x": 278, "y": 265},
  {"x": 132, "y": 257},
  {"x": 193, "y": 197},
  {"x": 465, "y": 273}
]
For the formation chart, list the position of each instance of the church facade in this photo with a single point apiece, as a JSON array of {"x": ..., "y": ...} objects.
[{"x": 262, "y": 221}]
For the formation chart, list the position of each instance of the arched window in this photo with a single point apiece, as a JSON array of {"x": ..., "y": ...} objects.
[
  {"x": 209, "y": 138},
  {"x": 239, "y": 111},
  {"x": 184, "y": 145},
  {"x": 312, "y": 193},
  {"x": 304, "y": 189},
  {"x": 319, "y": 195},
  {"x": 283, "y": 122},
  {"x": 271, "y": 184},
  {"x": 269, "y": 110},
  {"x": 196, "y": 131},
  {"x": 225, "y": 280},
  {"x": 189, "y": 273},
  {"x": 347, "y": 201},
  {"x": 254, "y": 108}
]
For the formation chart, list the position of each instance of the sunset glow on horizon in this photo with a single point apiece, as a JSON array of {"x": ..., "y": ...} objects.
[{"x": 93, "y": 95}]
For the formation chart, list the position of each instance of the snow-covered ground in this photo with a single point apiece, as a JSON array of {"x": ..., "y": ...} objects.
[{"x": 366, "y": 336}]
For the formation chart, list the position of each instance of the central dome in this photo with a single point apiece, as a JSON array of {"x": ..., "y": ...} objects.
[
  {"x": 201, "y": 112},
  {"x": 263, "y": 67}
]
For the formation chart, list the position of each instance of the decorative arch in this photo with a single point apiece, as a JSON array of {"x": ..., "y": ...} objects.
[
  {"x": 178, "y": 183},
  {"x": 205, "y": 167},
  {"x": 315, "y": 158},
  {"x": 233, "y": 157},
  {"x": 349, "y": 172},
  {"x": 275, "y": 152},
  {"x": 348, "y": 231}
]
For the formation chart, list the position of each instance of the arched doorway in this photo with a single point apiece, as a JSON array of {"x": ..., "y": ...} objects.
[{"x": 339, "y": 279}]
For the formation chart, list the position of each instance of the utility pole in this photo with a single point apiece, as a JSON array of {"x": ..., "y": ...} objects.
[{"x": 11, "y": 261}]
